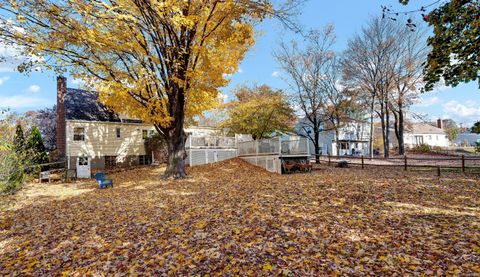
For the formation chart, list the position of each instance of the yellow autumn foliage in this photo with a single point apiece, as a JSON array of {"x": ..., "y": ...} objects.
[
  {"x": 259, "y": 111},
  {"x": 144, "y": 57}
]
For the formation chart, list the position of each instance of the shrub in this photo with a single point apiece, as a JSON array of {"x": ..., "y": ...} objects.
[
  {"x": 477, "y": 147},
  {"x": 422, "y": 148},
  {"x": 157, "y": 145},
  {"x": 12, "y": 174}
]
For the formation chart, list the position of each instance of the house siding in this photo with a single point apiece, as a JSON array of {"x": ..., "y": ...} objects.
[
  {"x": 436, "y": 140},
  {"x": 351, "y": 131},
  {"x": 101, "y": 140}
]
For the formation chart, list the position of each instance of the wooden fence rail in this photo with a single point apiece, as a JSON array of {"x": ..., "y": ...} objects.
[{"x": 408, "y": 162}]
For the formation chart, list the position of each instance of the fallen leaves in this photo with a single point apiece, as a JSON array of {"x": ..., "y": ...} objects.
[{"x": 235, "y": 218}]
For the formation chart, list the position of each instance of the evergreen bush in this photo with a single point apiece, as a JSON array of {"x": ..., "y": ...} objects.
[{"x": 12, "y": 174}]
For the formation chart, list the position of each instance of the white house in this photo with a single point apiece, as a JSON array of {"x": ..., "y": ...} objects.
[
  {"x": 353, "y": 138},
  {"x": 423, "y": 133},
  {"x": 91, "y": 137}
]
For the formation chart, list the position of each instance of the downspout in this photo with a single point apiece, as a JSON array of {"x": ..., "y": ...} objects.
[{"x": 66, "y": 146}]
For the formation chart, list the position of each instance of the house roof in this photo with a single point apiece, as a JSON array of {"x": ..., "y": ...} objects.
[
  {"x": 424, "y": 128},
  {"x": 84, "y": 105}
]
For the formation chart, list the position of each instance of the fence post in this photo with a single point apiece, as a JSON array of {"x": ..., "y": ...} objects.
[
  {"x": 463, "y": 163},
  {"x": 406, "y": 164},
  {"x": 328, "y": 158},
  {"x": 362, "y": 161},
  {"x": 438, "y": 171}
]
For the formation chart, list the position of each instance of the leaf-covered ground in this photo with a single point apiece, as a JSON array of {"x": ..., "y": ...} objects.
[{"x": 233, "y": 218}]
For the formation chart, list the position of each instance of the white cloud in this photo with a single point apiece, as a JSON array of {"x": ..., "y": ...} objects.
[
  {"x": 427, "y": 102},
  {"x": 467, "y": 112},
  {"x": 11, "y": 58},
  {"x": 275, "y": 74},
  {"x": 20, "y": 101},
  {"x": 33, "y": 89},
  {"x": 4, "y": 79},
  {"x": 240, "y": 70}
]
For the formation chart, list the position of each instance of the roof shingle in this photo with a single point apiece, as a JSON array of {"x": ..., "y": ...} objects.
[{"x": 84, "y": 105}]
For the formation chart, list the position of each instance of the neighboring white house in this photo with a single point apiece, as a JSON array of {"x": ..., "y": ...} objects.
[
  {"x": 353, "y": 138},
  {"x": 423, "y": 133}
]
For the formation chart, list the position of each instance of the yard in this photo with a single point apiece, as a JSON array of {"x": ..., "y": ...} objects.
[{"x": 235, "y": 218}]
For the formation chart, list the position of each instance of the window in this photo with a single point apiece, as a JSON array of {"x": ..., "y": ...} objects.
[
  {"x": 418, "y": 140},
  {"x": 110, "y": 161},
  {"x": 143, "y": 160},
  {"x": 78, "y": 134},
  {"x": 118, "y": 132},
  {"x": 144, "y": 134},
  {"x": 83, "y": 161},
  {"x": 152, "y": 133}
]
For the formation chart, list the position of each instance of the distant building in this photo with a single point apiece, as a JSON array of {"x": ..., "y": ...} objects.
[
  {"x": 467, "y": 139},
  {"x": 423, "y": 133},
  {"x": 353, "y": 138}
]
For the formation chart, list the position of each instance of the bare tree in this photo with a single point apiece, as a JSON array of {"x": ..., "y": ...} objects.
[
  {"x": 371, "y": 64},
  {"x": 339, "y": 100},
  {"x": 408, "y": 76},
  {"x": 306, "y": 69}
]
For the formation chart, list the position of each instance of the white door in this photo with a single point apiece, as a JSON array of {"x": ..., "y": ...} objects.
[{"x": 83, "y": 167}]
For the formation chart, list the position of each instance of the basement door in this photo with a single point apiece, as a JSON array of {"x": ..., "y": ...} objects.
[{"x": 83, "y": 167}]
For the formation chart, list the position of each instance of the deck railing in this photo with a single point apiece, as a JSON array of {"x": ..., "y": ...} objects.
[
  {"x": 273, "y": 146},
  {"x": 210, "y": 142},
  {"x": 295, "y": 147}
]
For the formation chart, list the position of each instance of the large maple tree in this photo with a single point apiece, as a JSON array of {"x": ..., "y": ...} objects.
[{"x": 160, "y": 61}]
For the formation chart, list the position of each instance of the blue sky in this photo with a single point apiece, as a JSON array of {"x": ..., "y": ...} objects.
[{"x": 22, "y": 93}]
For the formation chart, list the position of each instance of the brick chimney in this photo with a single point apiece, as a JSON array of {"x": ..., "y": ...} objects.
[
  {"x": 439, "y": 123},
  {"x": 61, "y": 135}
]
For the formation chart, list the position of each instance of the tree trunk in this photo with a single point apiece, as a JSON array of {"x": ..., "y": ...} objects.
[
  {"x": 316, "y": 144},
  {"x": 371, "y": 128},
  {"x": 387, "y": 133},
  {"x": 382, "y": 122},
  {"x": 401, "y": 128},
  {"x": 175, "y": 136},
  {"x": 395, "y": 127},
  {"x": 176, "y": 156},
  {"x": 337, "y": 145}
]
